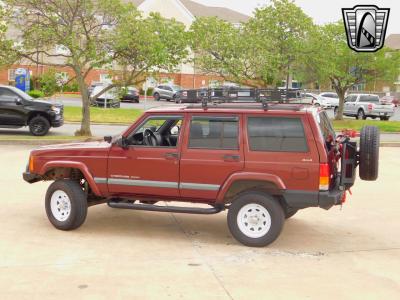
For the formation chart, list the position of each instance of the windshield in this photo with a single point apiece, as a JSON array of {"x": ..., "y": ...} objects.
[
  {"x": 177, "y": 87},
  {"x": 20, "y": 93}
]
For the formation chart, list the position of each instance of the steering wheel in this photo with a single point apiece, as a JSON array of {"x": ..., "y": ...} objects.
[{"x": 149, "y": 138}]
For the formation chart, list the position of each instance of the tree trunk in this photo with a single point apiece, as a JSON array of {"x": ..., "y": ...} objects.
[
  {"x": 85, "y": 123},
  {"x": 341, "y": 92}
]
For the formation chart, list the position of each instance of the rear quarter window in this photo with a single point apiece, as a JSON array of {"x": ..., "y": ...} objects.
[{"x": 276, "y": 134}]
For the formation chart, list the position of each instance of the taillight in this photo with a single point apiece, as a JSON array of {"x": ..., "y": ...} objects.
[
  {"x": 31, "y": 163},
  {"x": 370, "y": 106},
  {"x": 324, "y": 177}
]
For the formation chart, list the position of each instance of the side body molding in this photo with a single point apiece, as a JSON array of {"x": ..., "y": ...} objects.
[
  {"x": 249, "y": 176},
  {"x": 75, "y": 165}
]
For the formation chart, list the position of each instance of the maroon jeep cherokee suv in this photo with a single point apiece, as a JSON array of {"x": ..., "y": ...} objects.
[{"x": 262, "y": 163}]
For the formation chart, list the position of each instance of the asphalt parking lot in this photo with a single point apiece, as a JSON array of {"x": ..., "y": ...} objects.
[{"x": 351, "y": 252}]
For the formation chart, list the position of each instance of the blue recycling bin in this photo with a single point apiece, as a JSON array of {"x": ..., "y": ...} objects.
[{"x": 22, "y": 79}]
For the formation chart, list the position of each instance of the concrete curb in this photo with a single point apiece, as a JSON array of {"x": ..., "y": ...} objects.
[{"x": 102, "y": 124}]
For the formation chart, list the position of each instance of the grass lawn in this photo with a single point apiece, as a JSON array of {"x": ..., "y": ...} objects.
[
  {"x": 101, "y": 115},
  {"x": 42, "y": 138},
  {"x": 127, "y": 116},
  {"x": 384, "y": 126}
]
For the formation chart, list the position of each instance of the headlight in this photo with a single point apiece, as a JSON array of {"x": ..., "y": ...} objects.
[{"x": 57, "y": 110}]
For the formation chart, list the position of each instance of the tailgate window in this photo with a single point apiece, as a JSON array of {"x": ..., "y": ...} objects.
[{"x": 325, "y": 125}]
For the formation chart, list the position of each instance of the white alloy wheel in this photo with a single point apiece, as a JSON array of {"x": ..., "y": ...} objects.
[
  {"x": 60, "y": 205},
  {"x": 254, "y": 220}
]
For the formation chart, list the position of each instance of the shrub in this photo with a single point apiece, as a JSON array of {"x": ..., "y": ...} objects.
[
  {"x": 149, "y": 92},
  {"x": 48, "y": 83},
  {"x": 71, "y": 87},
  {"x": 36, "y": 94}
]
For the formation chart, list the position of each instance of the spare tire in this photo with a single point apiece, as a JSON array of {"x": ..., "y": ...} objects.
[{"x": 369, "y": 153}]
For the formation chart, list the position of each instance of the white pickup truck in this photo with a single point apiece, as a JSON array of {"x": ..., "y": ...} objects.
[{"x": 362, "y": 106}]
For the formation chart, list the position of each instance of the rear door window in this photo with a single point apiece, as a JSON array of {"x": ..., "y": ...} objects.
[
  {"x": 214, "y": 133},
  {"x": 276, "y": 134},
  {"x": 369, "y": 98}
]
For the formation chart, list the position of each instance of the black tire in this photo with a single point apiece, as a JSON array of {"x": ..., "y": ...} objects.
[
  {"x": 156, "y": 96},
  {"x": 78, "y": 203},
  {"x": 360, "y": 115},
  {"x": 335, "y": 111},
  {"x": 369, "y": 153},
  {"x": 290, "y": 212},
  {"x": 39, "y": 126},
  {"x": 384, "y": 118},
  {"x": 255, "y": 198}
]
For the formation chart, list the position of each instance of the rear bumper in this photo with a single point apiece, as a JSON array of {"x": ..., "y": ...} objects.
[
  {"x": 379, "y": 114},
  {"x": 303, "y": 199},
  {"x": 330, "y": 198},
  {"x": 31, "y": 178}
]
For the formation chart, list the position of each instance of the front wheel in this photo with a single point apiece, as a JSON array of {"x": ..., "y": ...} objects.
[
  {"x": 156, "y": 96},
  {"x": 66, "y": 204},
  {"x": 39, "y": 126},
  {"x": 255, "y": 219}
]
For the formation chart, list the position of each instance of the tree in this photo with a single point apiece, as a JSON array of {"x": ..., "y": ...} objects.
[
  {"x": 269, "y": 47},
  {"x": 78, "y": 29},
  {"x": 285, "y": 29},
  {"x": 7, "y": 56},
  {"x": 335, "y": 62},
  {"x": 141, "y": 46}
]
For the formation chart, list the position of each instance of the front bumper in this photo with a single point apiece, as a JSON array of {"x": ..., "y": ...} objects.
[{"x": 31, "y": 178}]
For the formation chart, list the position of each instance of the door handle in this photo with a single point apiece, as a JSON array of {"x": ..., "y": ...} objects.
[
  {"x": 171, "y": 155},
  {"x": 231, "y": 157}
]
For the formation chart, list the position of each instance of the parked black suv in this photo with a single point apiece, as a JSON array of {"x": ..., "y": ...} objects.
[{"x": 18, "y": 109}]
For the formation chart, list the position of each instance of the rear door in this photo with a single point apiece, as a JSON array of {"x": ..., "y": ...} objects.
[{"x": 212, "y": 150}]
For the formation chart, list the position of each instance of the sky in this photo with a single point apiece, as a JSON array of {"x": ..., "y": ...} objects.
[{"x": 322, "y": 11}]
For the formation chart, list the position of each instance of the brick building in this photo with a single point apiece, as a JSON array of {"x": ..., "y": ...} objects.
[{"x": 185, "y": 11}]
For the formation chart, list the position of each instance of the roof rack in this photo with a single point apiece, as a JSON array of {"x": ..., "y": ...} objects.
[{"x": 242, "y": 95}]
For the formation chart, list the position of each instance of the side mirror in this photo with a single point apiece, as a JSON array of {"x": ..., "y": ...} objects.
[
  {"x": 108, "y": 139},
  {"x": 18, "y": 101},
  {"x": 122, "y": 142}
]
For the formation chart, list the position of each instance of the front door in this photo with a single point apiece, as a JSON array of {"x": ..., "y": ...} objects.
[
  {"x": 350, "y": 105},
  {"x": 149, "y": 166},
  {"x": 212, "y": 150},
  {"x": 11, "y": 113}
]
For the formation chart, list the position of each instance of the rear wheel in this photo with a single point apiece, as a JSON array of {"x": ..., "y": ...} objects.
[
  {"x": 66, "y": 204},
  {"x": 39, "y": 126},
  {"x": 369, "y": 153},
  {"x": 360, "y": 115},
  {"x": 384, "y": 118},
  {"x": 255, "y": 219}
]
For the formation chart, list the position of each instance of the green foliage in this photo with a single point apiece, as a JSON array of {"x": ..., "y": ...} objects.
[
  {"x": 36, "y": 94},
  {"x": 149, "y": 91},
  {"x": 71, "y": 87},
  {"x": 48, "y": 83}
]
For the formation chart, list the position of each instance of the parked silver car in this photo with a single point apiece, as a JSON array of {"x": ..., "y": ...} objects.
[
  {"x": 167, "y": 92},
  {"x": 362, "y": 106}
]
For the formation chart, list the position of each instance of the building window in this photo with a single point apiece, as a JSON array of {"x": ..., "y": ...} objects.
[
  {"x": 11, "y": 74},
  {"x": 105, "y": 78}
]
